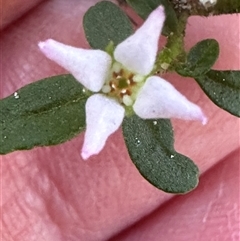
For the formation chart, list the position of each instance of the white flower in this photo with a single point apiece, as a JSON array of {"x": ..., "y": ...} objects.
[{"x": 122, "y": 83}]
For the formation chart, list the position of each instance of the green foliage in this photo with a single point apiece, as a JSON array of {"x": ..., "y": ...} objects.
[
  {"x": 47, "y": 112},
  {"x": 200, "y": 58},
  {"x": 223, "y": 88},
  {"x": 227, "y": 6},
  {"x": 150, "y": 146},
  {"x": 144, "y": 8},
  {"x": 106, "y": 22}
]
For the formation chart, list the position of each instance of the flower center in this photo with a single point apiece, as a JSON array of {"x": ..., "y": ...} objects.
[{"x": 122, "y": 84}]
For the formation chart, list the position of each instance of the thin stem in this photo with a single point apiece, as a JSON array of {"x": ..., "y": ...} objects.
[
  {"x": 174, "y": 51},
  {"x": 206, "y": 8}
]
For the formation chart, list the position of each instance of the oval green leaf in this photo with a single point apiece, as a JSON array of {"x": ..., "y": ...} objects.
[
  {"x": 223, "y": 88},
  {"x": 150, "y": 146},
  {"x": 144, "y": 8},
  {"x": 47, "y": 112},
  {"x": 200, "y": 58},
  {"x": 106, "y": 22}
]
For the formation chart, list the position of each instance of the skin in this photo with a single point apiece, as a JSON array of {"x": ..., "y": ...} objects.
[
  {"x": 13, "y": 9},
  {"x": 51, "y": 194}
]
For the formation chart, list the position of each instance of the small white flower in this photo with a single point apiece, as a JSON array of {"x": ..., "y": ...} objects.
[{"x": 122, "y": 82}]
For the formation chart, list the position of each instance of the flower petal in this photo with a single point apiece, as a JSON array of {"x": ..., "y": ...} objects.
[
  {"x": 159, "y": 99},
  {"x": 138, "y": 52},
  {"x": 103, "y": 117},
  {"x": 89, "y": 67}
]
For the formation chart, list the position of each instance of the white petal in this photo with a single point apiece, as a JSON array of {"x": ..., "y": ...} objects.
[
  {"x": 103, "y": 117},
  {"x": 89, "y": 67},
  {"x": 159, "y": 99},
  {"x": 138, "y": 52}
]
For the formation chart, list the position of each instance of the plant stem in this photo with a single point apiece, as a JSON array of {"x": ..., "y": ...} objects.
[
  {"x": 206, "y": 8},
  {"x": 174, "y": 51}
]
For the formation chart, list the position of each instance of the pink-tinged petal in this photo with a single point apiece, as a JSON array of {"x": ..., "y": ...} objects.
[
  {"x": 89, "y": 67},
  {"x": 159, "y": 99},
  {"x": 103, "y": 117},
  {"x": 138, "y": 52}
]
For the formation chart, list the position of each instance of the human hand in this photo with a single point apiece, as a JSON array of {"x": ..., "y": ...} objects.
[{"x": 51, "y": 194}]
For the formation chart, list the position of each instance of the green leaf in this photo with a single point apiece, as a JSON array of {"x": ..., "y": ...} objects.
[
  {"x": 200, "y": 58},
  {"x": 144, "y": 8},
  {"x": 150, "y": 146},
  {"x": 226, "y": 7},
  {"x": 47, "y": 112},
  {"x": 106, "y": 22},
  {"x": 223, "y": 88}
]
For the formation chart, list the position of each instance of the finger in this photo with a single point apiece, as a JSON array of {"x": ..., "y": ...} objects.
[
  {"x": 209, "y": 212},
  {"x": 12, "y": 9}
]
